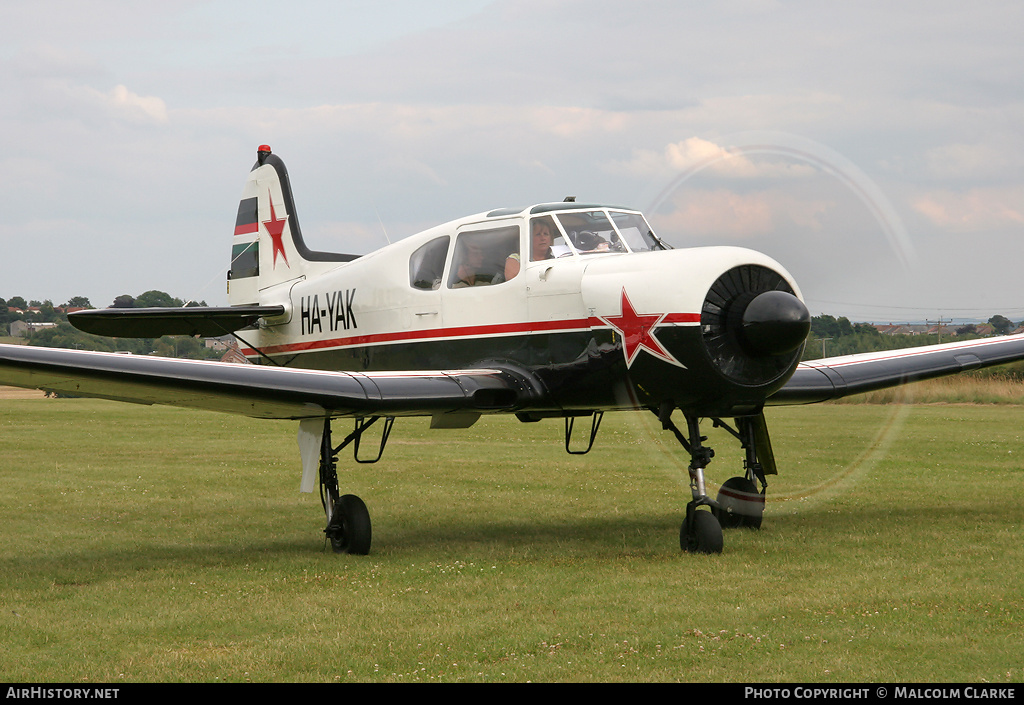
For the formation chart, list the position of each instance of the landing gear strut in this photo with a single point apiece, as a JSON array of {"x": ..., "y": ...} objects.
[
  {"x": 348, "y": 521},
  {"x": 700, "y": 532}
]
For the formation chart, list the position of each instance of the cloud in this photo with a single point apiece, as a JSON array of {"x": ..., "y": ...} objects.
[
  {"x": 963, "y": 161},
  {"x": 57, "y": 84},
  {"x": 64, "y": 100},
  {"x": 46, "y": 61},
  {"x": 572, "y": 122},
  {"x": 976, "y": 210},
  {"x": 696, "y": 154},
  {"x": 121, "y": 103},
  {"x": 736, "y": 216},
  {"x": 126, "y": 102}
]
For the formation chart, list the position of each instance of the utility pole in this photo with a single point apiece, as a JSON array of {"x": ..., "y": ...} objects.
[
  {"x": 938, "y": 329},
  {"x": 823, "y": 345}
]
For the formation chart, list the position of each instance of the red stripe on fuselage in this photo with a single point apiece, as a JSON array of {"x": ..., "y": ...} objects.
[
  {"x": 579, "y": 324},
  {"x": 681, "y": 318}
]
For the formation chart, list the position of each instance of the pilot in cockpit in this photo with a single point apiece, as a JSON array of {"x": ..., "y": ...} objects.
[{"x": 541, "y": 237}]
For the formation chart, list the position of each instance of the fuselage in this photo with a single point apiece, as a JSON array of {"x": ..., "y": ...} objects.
[{"x": 600, "y": 312}]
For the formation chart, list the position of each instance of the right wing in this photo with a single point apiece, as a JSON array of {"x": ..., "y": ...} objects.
[{"x": 835, "y": 377}]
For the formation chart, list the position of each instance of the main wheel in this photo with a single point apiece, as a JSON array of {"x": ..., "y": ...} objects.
[
  {"x": 740, "y": 504},
  {"x": 705, "y": 534},
  {"x": 349, "y": 528}
]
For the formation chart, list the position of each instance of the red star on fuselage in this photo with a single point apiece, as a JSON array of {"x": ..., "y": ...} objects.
[
  {"x": 637, "y": 332},
  {"x": 275, "y": 228}
]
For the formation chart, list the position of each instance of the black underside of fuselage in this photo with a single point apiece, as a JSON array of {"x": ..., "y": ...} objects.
[{"x": 577, "y": 371}]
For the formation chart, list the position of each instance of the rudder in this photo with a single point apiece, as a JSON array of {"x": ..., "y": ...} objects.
[{"x": 267, "y": 247}]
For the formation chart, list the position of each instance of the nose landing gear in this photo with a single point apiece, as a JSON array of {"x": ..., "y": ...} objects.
[
  {"x": 701, "y": 531},
  {"x": 738, "y": 503}
]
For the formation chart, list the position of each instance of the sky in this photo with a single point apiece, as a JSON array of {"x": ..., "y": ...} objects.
[{"x": 875, "y": 149}]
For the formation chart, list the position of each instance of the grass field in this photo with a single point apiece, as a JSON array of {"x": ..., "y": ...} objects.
[{"x": 153, "y": 544}]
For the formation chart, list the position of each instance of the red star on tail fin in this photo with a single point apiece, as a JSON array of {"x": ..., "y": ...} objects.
[{"x": 275, "y": 228}]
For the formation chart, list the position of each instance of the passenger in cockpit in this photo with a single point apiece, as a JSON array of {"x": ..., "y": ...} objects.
[{"x": 470, "y": 272}]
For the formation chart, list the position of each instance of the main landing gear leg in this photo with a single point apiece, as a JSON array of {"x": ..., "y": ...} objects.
[
  {"x": 739, "y": 502},
  {"x": 348, "y": 521},
  {"x": 700, "y": 532}
]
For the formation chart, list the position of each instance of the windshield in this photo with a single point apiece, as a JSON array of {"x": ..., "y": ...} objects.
[
  {"x": 598, "y": 231},
  {"x": 636, "y": 232}
]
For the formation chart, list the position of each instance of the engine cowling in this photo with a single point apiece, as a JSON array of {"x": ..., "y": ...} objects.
[
  {"x": 753, "y": 325},
  {"x": 715, "y": 330}
]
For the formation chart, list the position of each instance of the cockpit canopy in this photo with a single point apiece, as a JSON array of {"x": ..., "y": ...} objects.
[
  {"x": 493, "y": 253},
  {"x": 592, "y": 231}
]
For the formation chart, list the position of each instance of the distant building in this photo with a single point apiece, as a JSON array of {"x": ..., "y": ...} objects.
[
  {"x": 234, "y": 355},
  {"x": 221, "y": 343},
  {"x": 916, "y": 329},
  {"x": 22, "y": 329}
]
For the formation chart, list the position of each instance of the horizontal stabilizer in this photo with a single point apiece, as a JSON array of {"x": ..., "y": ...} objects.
[{"x": 155, "y": 322}]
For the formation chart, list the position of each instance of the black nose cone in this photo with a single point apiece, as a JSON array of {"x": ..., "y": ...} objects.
[{"x": 775, "y": 322}]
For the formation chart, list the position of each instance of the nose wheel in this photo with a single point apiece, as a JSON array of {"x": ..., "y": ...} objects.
[{"x": 701, "y": 533}]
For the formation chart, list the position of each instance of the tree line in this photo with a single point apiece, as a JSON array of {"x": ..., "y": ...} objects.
[{"x": 65, "y": 335}]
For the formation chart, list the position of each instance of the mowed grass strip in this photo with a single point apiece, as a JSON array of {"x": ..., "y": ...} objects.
[{"x": 151, "y": 544}]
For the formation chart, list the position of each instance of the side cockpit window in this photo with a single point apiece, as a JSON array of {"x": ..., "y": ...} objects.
[
  {"x": 426, "y": 265},
  {"x": 480, "y": 256}
]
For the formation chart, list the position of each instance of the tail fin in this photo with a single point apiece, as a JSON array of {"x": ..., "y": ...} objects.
[{"x": 268, "y": 248}]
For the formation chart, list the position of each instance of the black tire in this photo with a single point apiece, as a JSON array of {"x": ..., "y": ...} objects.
[
  {"x": 734, "y": 511},
  {"x": 350, "y": 526},
  {"x": 705, "y": 534}
]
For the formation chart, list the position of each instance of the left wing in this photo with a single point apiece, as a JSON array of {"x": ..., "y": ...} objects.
[
  {"x": 257, "y": 390},
  {"x": 835, "y": 377}
]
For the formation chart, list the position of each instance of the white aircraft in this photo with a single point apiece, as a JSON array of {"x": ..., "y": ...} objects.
[{"x": 560, "y": 310}]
